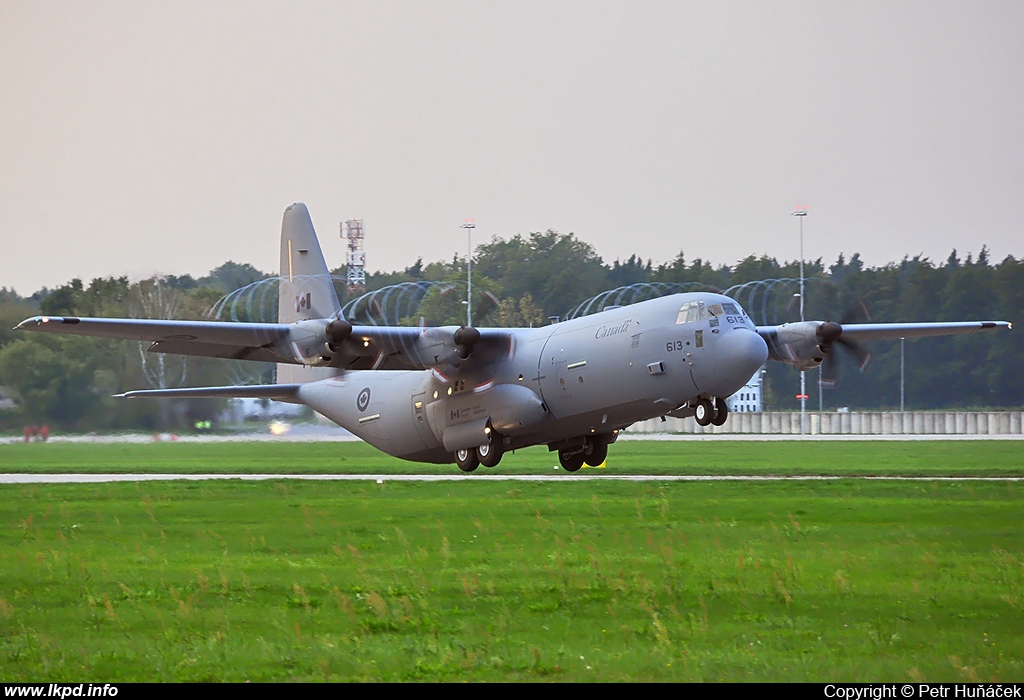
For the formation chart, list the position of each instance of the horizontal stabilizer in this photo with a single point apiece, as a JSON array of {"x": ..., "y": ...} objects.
[{"x": 278, "y": 392}]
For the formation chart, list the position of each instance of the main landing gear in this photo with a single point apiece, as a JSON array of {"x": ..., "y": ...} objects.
[
  {"x": 708, "y": 413},
  {"x": 488, "y": 454},
  {"x": 467, "y": 459},
  {"x": 592, "y": 452}
]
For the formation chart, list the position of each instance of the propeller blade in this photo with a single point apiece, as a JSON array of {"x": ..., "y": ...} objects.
[
  {"x": 830, "y": 334},
  {"x": 857, "y": 312},
  {"x": 793, "y": 308},
  {"x": 859, "y": 352},
  {"x": 829, "y": 370}
]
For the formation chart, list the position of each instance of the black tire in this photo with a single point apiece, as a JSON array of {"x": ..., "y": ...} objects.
[
  {"x": 598, "y": 454},
  {"x": 703, "y": 412},
  {"x": 721, "y": 411},
  {"x": 570, "y": 461},
  {"x": 467, "y": 460},
  {"x": 491, "y": 453}
]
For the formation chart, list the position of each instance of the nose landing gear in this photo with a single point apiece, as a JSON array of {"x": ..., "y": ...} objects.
[{"x": 708, "y": 413}]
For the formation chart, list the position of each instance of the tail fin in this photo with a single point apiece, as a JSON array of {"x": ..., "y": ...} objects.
[{"x": 306, "y": 287}]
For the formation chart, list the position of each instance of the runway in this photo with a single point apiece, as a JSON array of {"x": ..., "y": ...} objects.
[
  {"x": 381, "y": 478},
  {"x": 314, "y": 433}
]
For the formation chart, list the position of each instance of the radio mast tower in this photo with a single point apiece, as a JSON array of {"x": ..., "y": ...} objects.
[{"x": 352, "y": 231}]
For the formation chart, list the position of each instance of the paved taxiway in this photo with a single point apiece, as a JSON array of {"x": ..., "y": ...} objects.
[
  {"x": 380, "y": 478},
  {"x": 326, "y": 434}
]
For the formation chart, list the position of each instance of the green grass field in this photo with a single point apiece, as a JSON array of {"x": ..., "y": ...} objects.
[
  {"x": 843, "y": 458},
  {"x": 571, "y": 580}
]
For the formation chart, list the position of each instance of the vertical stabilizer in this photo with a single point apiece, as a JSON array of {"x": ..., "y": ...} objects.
[{"x": 306, "y": 287}]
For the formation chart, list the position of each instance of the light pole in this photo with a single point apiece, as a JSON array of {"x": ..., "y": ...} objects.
[
  {"x": 903, "y": 342},
  {"x": 469, "y": 225},
  {"x": 801, "y": 212},
  {"x": 821, "y": 394}
]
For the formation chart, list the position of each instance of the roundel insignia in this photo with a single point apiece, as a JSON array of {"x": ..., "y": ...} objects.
[{"x": 363, "y": 400}]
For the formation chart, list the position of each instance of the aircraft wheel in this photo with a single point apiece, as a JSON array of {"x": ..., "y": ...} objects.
[
  {"x": 721, "y": 411},
  {"x": 703, "y": 412},
  {"x": 598, "y": 453},
  {"x": 467, "y": 460},
  {"x": 571, "y": 461},
  {"x": 490, "y": 453}
]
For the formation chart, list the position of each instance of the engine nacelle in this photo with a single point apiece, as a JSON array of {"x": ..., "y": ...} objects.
[{"x": 798, "y": 344}]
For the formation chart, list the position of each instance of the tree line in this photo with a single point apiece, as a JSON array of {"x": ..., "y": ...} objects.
[{"x": 67, "y": 382}]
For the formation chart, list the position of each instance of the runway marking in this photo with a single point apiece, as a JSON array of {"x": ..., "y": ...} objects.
[{"x": 380, "y": 478}]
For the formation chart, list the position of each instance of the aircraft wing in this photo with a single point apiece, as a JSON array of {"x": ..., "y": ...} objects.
[
  {"x": 809, "y": 344},
  {"x": 855, "y": 332},
  {"x": 244, "y": 341},
  {"x": 309, "y": 342},
  {"x": 880, "y": 331},
  {"x": 246, "y": 334}
]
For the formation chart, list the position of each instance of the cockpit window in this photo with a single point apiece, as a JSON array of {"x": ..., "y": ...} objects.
[
  {"x": 731, "y": 309},
  {"x": 691, "y": 311},
  {"x": 716, "y": 310}
]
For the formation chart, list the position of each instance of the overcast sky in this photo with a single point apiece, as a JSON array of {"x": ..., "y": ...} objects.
[{"x": 149, "y": 137}]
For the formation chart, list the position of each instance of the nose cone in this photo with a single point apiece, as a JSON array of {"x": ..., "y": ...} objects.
[{"x": 738, "y": 355}]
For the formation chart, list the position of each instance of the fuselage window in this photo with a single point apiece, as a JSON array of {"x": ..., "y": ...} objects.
[
  {"x": 683, "y": 311},
  {"x": 691, "y": 311}
]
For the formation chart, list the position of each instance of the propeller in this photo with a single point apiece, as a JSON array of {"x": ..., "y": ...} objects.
[
  {"x": 337, "y": 331},
  {"x": 830, "y": 334},
  {"x": 465, "y": 339}
]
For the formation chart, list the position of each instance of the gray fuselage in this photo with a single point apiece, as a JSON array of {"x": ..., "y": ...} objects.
[{"x": 587, "y": 376}]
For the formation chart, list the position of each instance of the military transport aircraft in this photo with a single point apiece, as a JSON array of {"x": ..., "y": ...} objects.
[{"x": 468, "y": 395}]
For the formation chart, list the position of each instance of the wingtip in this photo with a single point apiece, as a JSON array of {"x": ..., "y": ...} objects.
[{"x": 38, "y": 321}]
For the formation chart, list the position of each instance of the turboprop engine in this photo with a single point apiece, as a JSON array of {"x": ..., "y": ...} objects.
[
  {"x": 808, "y": 344},
  {"x": 799, "y": 344}
]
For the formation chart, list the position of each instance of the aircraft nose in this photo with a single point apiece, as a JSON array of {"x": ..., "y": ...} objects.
[{"x": 741, "y": 352}]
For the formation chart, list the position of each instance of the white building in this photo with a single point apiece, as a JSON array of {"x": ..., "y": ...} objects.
[{"x": 748, "y": 399}]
